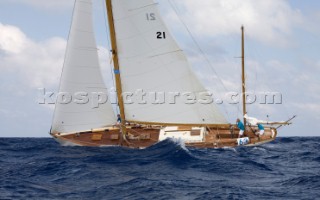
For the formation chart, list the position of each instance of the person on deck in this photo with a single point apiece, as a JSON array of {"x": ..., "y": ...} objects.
[
  {"x": 261, "y": 129},
  {"x": 241, "y": 127},
  {"x": 118, "y": 119}
]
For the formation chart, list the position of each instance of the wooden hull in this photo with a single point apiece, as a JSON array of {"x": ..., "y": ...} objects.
[{"x": 143, "y": 137}]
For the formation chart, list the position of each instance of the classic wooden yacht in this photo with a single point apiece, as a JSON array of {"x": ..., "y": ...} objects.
[{"x": 146, "y": 58}]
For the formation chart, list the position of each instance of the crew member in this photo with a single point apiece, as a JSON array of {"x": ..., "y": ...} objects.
[
  {"x": 261, "y": 129},
  {"x": 241, "y": 127},
  {"x": 118, "y": 119}
]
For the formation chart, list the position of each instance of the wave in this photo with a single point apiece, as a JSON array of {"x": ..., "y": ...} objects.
[
  {"x": 42, "y": 169},
  {"x": 303, "y": 181},
  {"x": 286, "y": 140}
]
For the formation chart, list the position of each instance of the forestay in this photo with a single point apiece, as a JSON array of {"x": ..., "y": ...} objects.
[
  {"x": 150, "y": 60},
  {"x": 81, "y": 73}
]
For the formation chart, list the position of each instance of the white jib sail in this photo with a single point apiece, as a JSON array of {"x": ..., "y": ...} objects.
[
  {"x": 151, "y": 61},
  {"x": 81, "y": 75}
]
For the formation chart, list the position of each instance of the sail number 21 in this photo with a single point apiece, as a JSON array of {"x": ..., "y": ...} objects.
[{"x": 161, "y": 35}]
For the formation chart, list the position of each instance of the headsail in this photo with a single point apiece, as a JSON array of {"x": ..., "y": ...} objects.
[
  {"x": 81, "y": 73},
  {"x": 150, "y": 60}
]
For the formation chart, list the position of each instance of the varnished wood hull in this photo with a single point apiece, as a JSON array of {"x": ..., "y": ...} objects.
[{"x": 143, "y": 137}]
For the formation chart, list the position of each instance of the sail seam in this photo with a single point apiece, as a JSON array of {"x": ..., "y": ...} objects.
[
  {"x": 133, "y": 9},
  {"x": 166, "y": 53}
]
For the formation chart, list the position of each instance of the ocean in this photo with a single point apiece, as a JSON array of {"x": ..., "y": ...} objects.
[{"x": 31, "y": 168}]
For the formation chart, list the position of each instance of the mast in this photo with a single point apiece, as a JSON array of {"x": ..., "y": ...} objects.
[
  {"x": 116, "y": 68},
  {"x": 243, "y": 78}
]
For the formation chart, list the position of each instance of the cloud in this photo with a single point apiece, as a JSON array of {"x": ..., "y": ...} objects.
[
  {"x": 56, "y": 4},
  {"x": 37, "y": 64},
  {"x": 270, "y": 22},
  {"x": 308, "y": 107},
  {"x": 12, "y": 40}
]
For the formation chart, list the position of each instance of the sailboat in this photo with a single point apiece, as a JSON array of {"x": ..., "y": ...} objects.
[{"x": 146, "y": 60}]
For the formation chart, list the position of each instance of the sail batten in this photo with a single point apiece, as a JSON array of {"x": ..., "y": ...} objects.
[
  {"x": 151, "y": 61},
  {"x": 81, "y": 75}
]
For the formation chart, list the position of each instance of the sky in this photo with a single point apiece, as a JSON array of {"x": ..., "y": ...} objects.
[{"x": 282, "y": 55}]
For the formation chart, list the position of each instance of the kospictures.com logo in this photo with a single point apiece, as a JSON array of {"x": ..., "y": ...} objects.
[{"x": 95, "y": 99}]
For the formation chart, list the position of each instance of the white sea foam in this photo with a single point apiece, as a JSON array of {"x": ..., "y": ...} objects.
[
  {"x": 230, "y": 149},
  {"x": 180, "y": 142},
  {"x": 260, "y": 149}
]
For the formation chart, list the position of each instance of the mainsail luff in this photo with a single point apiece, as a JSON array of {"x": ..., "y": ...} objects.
[
  {"x": 81, "y": 74},
  {"x": 116, "y": 66},
  {"x": 152, "y": 62}
]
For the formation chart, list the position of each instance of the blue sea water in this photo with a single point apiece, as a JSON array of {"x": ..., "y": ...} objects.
[{"x": 288, "y": 168}]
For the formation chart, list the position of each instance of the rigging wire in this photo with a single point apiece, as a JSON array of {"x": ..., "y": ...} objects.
[
  {"x": 237, "y": 67},
  {"x": 195, "y": 42},
  {"x": 64, "y": 62},
  {"x": 201, "y": 51},
  {"x": 108, "y": 39},
  {"x": 103, "y": 2},
  {"x": 263, "y": 80}
]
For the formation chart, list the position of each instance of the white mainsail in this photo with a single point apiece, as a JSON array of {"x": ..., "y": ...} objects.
[
  {"x": 150, "y": 60},
  {"x": 81, "y": 73}
]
